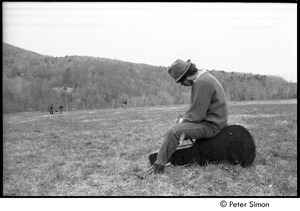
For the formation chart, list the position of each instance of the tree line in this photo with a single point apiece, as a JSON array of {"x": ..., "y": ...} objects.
[{"x": 32, "y": 81}]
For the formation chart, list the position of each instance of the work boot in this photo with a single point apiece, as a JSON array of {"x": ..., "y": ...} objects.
[{"x": 155, "y": 168}]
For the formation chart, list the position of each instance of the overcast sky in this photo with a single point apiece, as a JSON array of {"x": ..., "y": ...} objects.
[{"x": 260, "y": 38}]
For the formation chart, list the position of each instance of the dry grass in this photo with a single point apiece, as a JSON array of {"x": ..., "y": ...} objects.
[{"x": 98, "y": 153}]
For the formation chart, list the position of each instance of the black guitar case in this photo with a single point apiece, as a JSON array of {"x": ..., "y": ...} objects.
[{"x": 234, "y": 144}]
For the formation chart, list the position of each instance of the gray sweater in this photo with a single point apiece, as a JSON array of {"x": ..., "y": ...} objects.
[{"x": 208, "y": 102}]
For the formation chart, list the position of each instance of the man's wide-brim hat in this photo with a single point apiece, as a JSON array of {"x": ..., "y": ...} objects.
[{"x": 179, "y": 68}]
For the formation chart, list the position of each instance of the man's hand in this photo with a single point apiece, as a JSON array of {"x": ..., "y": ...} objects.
[{"x": 180, "y": 118}]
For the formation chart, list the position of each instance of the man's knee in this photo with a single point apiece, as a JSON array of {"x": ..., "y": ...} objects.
[{"x": 174, "y": 132}]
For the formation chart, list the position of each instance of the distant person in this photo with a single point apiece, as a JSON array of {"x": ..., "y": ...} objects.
[
  {"x": 205, "y": 118},
  {"x": 61, "y": 108},
  {"x": 51, "y": 109},
  {"x": 124, "y": 104}
]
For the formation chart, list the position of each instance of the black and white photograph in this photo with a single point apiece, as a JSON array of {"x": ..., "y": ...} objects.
[{"x": 150, "y": 99}]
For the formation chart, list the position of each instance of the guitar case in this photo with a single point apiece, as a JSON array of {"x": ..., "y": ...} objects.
[{"x": 234, "y": 144}]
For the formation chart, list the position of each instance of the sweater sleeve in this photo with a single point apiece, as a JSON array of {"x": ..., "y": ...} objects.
[{"x": 201, "y": 97}]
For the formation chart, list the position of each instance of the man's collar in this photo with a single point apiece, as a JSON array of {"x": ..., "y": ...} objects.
[{"x": 200, "y": 72}]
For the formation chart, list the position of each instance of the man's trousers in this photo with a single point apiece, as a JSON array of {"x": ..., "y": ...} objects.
[{"x": 186, "y": 131}]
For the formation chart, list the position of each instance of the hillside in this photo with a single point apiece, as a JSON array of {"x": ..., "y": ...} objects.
[{"x": 32, "y": 81}]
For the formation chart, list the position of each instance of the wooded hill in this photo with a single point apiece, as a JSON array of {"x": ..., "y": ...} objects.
[{"x": 31, "y": 82}]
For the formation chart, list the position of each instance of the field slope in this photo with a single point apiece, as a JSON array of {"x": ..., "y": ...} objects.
[{"x": 98, "y": 153}]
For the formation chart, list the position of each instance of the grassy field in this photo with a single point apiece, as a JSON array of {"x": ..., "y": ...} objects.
[{"x": 99, "y": 152}]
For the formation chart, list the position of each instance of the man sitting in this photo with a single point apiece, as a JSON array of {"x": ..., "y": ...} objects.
[{"x": 205, "y": 118}]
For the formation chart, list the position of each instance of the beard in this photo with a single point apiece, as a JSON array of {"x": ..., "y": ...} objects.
[{"x": 188, "y": 82}]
